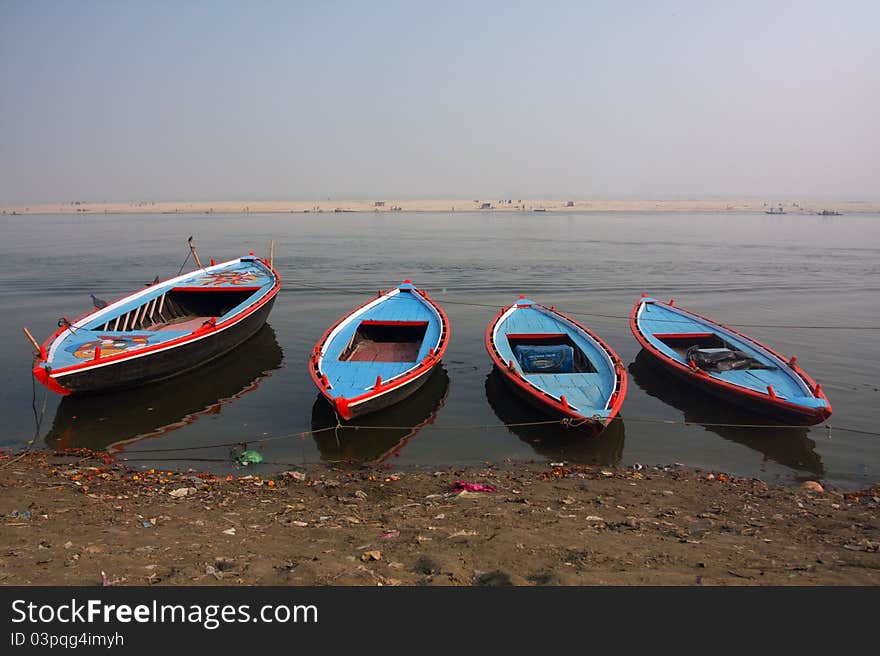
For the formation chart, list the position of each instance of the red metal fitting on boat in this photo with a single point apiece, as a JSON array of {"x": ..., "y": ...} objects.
[
  {"x": 792, "y": 362},
  {"x": 212, "y": 261},
  {"x": 564, "y": 401},
  {"x": 644, "y": 295},
  {"x": 378, "y": 382},
  {"x": 671, "y": 302},
  {"x": 97, "y": 352},
  {"x": 342, "y": 408},
  {"x": 771, "y": 391}
]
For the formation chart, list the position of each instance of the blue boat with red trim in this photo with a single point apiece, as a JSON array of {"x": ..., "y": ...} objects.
[
  {"x": 160, "y": 331},
  {"x": 381, "y": 352},
  {"x": 727, "y": 363},
  {"x": 556, "y": 364}
]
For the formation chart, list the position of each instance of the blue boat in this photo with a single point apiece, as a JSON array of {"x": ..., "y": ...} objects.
[
  {"x": 727, "y": 363},
  {"x": 159, "y": 331},
  {"x": 557, "y": 364},
  {"x": 381, "y": 352}
]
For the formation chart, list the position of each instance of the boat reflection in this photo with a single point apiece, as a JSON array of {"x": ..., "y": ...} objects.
[
  {"x": 382, "y": 434},
  {"x": 554, "y": 441},
  {"x": 117, "y": 419},
  {"x": 786, "y": 445}
]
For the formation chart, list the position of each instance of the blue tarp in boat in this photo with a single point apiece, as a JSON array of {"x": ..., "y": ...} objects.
[{"x": 555, "y": 359}]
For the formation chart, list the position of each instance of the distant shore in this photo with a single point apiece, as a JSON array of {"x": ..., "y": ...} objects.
[{"x": 466, "y": 205}]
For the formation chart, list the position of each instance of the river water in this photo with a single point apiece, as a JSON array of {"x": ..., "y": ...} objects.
[{"x": 803, "y": 284}]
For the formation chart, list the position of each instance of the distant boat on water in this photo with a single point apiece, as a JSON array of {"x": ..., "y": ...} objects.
[
  {"x": 775, "y": 210},
  {"x": 829, "y": 213}
]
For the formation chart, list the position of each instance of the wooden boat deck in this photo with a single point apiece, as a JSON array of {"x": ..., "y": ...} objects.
[
  {"x": 587, "y": 392},
  {"x": 185, "y": 324},
  {"x": 370, "y": 351},
  {"x": 670, "y": 332}
]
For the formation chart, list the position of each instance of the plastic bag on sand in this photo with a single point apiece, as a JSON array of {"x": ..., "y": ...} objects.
[{"x": 463, "y": 486}]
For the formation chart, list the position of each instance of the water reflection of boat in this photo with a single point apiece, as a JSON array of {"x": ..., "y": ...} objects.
[
  {"x": 553, "y": 441},
  {"x": 786, "y": 445},
  {"x": 384, "y": 433},
  {"x": 119, "y": 418}
]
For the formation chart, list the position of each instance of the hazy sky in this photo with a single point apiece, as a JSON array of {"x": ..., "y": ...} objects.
[{"x": 174, "y": 100}]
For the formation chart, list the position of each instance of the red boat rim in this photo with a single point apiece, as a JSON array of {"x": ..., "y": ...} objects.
[
  {"x": 555, "y": 405},
  {"x": 342, "y": 405},
  {"x": 819, "y": 414}
]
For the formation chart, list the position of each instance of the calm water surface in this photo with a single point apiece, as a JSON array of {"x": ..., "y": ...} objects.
[{"x": 750, "y": 271}]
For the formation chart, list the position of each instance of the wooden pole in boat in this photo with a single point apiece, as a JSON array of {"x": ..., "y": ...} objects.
[
  {"x": 192, "y": 249},
  {"x": 271, "y": 252},
  {"x": 31, "y": 339}
]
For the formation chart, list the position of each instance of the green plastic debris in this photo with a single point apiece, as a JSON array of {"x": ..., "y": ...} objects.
[{"x": 249, "y": 457}]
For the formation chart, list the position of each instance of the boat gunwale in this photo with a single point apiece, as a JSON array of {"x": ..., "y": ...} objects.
[
  {"x": 819, "y": 413},
  {"x": 342, "y": 404},
  {"x": 614, "y": 400},
  {"x": 49, "y": 377}
]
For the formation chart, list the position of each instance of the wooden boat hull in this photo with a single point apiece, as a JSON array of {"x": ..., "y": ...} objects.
[
  {"x": 373, "y": 440},
  {"x": 381, "y": 352},
  {"x": 553, "y": 441},
  {"x": 767, "y": 402},
  {"x": 785, "y": 413},
  {"x": 549, "y": 408},
  {"x": 592, "y": 418},
  {"x": 348, "y": 410},
  {"x": 160, "y": 331},
  {"x": 133, "y": 372},
  {"x": 116, "y": 420}
]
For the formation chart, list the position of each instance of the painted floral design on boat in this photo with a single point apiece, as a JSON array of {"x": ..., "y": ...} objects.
[
  {"x": 109, "y": 346},
  {"x": 222, "y": 278}
]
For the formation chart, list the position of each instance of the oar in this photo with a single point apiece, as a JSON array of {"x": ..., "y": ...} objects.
[
  {"x": 34, "y": 342},
  {"x": 192, "y": 249}
]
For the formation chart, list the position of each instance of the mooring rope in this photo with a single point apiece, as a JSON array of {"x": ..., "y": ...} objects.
[
  {"x": 441, "y": 297},
  {"x": 185, "y": 260},
  {"x": 38, "y": 420},
  {"x": 38, "y": 417},
  {"x": 338, "y": 426},
  {"x": 561, "y": 422}
]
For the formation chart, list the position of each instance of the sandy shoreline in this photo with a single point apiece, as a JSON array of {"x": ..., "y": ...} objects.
[
  {"x": 79, "y": 518},
  {"x": 488, "y": 205}
]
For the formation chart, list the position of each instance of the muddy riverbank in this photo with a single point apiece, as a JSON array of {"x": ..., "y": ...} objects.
[{"x": 82, "y": 518}]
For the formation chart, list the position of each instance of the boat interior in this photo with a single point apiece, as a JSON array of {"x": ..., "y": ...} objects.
[
  {"x": 176, "y": 310},
  {"x": 710, "y": 352},
  {"x": 680, "y": 343},
  {"x": 377, "y": 341},
  {"x": 543, "y": 354}
]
